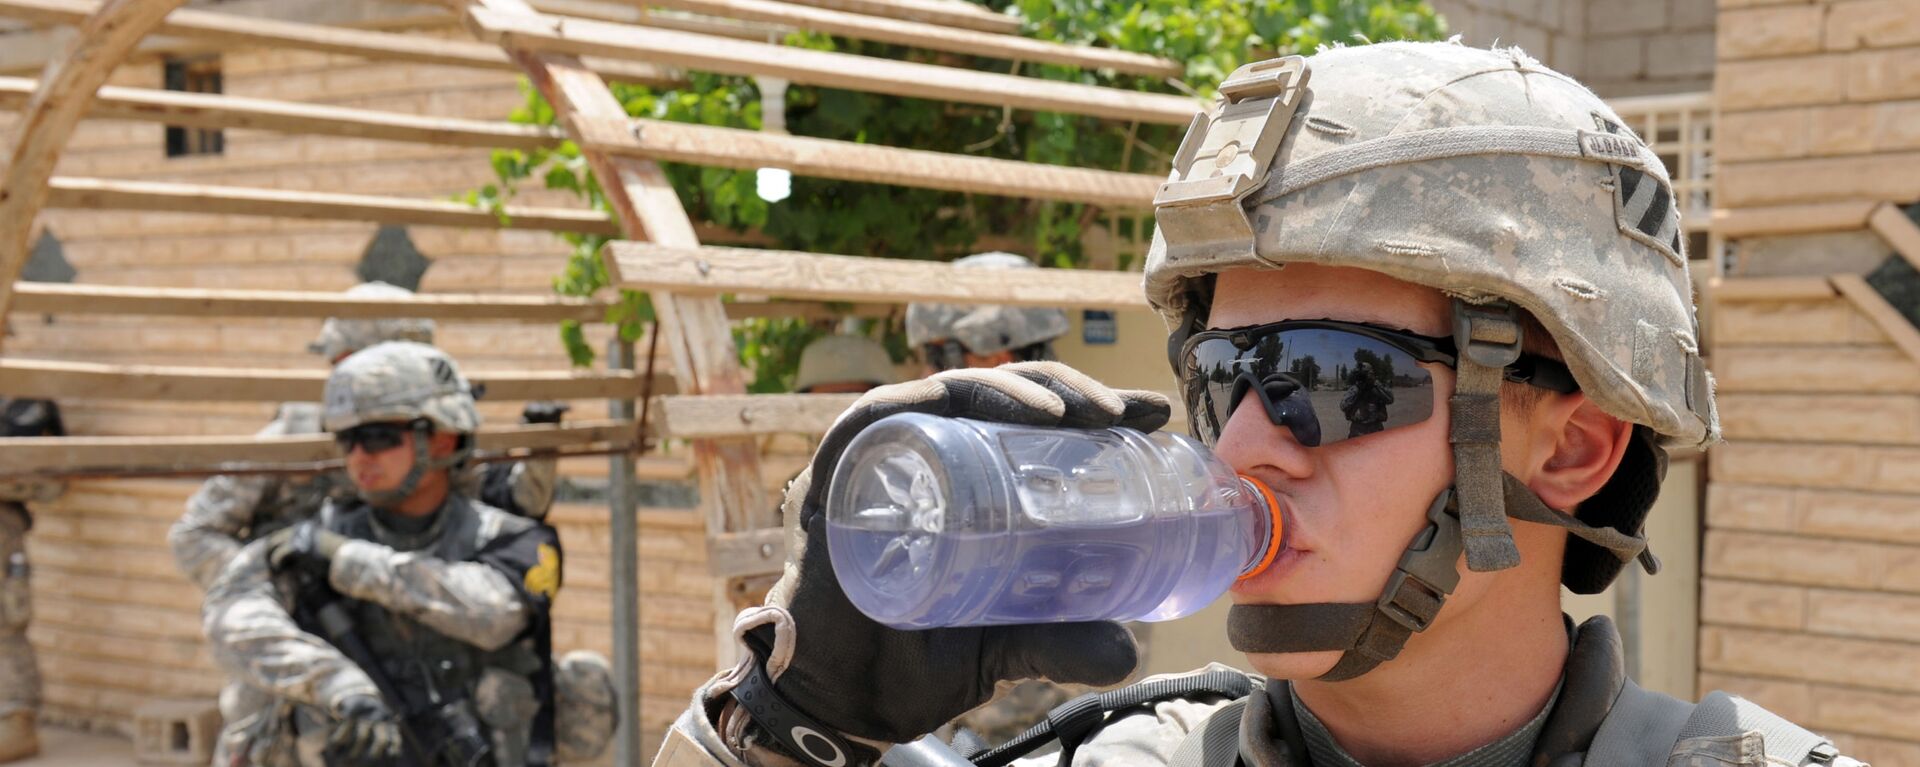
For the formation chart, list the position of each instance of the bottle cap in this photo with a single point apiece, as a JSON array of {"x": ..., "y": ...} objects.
[{"x": 1276, "y": 527}]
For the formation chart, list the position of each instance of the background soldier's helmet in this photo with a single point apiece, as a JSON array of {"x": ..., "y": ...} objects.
[
  {"x": 1483, "y": 174},
  {"x": 344, "y": 335},
  {"x": 399, "y": 381},
  {"x": 842, "y": 358},
  {"x": 986, "y": 329}
]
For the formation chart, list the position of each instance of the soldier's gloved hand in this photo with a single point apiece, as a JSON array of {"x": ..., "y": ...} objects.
[
  {"x": 878, "y": 683},
  {"x": 544, "y": 411},
  {"x": 306, "y": 547},
  {"x": 365, "y": 731}
]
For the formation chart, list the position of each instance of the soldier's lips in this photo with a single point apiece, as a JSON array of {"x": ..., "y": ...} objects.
[{"x": 1284, "y": 564}]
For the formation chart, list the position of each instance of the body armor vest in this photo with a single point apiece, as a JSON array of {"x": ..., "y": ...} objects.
[{"x": 498, "y": 686}]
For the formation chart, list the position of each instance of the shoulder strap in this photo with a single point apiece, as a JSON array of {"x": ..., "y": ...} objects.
[
  {"x": 1076, "y": 720},
  {"x": 1216, "y": 742},
  {"x": 1640, "y": 730},
  {"x": 1721, "y": 713}
]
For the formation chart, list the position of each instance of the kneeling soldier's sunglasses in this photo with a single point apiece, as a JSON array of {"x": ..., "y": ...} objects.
[
  {"x": 1325, "y": 380},
  {"x": 373, "y": 437}
]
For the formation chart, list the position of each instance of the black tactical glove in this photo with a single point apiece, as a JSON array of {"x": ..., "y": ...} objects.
[
  {"x": 365, "y": 731},
  {"x": 870, "y": 681},
  {"x": 306, "y": 547},
  {"x": 544, "y": 411}
]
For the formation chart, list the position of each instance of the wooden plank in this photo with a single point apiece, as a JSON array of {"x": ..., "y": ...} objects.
[
  {"x": 232, "y": 30},
  {"x": 81, "y": 380},
  {"x": 755, "y": 552},
  {"x": 113, "y": 194},
  {"x": 1892, "y": 224},
  {"x": 736, "y": 415},
  {"x": 1769, "y": 288},
  {"x": 1869, "y": 301},
  {"x": 700, "y": 344},
  {"x": 1871, "y": 468},
  {"x": 714, "y": 270},
  {"x": 1839, "y": 514},
  {"x": 933, "y": 37},
  {"x": 25, "y": 455},
  {"x": 1847, "y": 369},
  {"x": 850, "y": 161},
  {"x": 1876, "y": 419},
  {"x": 54, "y": 298},
  {"x": 208, "y": 110},
  {"x": 1792, "y": 219},
  {"x": 944, "y": 12},
  {"x": 61, "y": 99},
  {"x": 825, "y": 68},
  {"x": 645, "y": 16}
]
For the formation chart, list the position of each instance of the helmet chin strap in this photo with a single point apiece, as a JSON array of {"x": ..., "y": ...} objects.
[
  {"x": 1371, "y": 633},
  {"x": 422, "y": 463}
]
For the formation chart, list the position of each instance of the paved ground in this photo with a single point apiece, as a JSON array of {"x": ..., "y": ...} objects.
[{"x": 69, "y": 748}]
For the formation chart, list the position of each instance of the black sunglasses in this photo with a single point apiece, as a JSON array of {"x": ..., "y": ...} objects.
[
  {"x": 1326, "y": 380},
  {"x": 373, "y": 437}
]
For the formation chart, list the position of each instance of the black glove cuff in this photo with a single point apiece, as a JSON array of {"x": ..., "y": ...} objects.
[{"x": 797, "y": 734}]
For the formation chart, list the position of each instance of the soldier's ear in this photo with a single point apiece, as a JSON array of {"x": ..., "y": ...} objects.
[
  {"x": 442, "y": 444},
  {"x": 1575, "y": 448}
]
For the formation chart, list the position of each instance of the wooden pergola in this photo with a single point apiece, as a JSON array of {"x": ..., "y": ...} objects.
[{"x": 569, "y": 59}]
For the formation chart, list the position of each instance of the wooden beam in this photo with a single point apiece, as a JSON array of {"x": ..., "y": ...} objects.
[
  {"x": 232, "y": 30},
  {"x": 636, "y": 13},
  {"x": 1792, "y": 219},
  {"x": 1892, "y": 224},
  {"x": 750, "y": 553},
  {"x": 206, "y": 110},
  {"x": 741, "y": 415},
  {"x": 712, "y": 270},
  {"x": 112, "y": 194},
  {"x": 850, "y": 161},
  {"x": 52, "y": 298},
  {"x": 810, "y": 310},
  {"x": 1869, "y": 301},
  {"x": 30, "y": 455},
  {"x": 700, "y": 342},
  {"x": 64, "y": 93},
  {"x": 87, "y": 380},
  {"x": 952, "y": 14},
  {"x": 1770, "y": 288},
  {"x": 934, "y": 37},
  {"x": 1873, "y": 419},
  {"x": 827, "y": 69}
]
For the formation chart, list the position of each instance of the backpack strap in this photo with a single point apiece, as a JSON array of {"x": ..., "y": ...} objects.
[
  {"x": 1216, "y": 742},
  {"x": 1078, "y": 719},
  {"x": 1640, "y": 730},
  {"x": 1721, "y": 714}
]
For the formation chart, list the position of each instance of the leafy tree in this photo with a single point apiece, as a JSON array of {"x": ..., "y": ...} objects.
[{"x": 1212, "y": 37}]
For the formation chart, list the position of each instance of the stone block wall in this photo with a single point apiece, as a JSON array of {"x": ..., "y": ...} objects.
[
  {"x": 1810, "y": 602},
  {"x": 1617, "y": 47}
]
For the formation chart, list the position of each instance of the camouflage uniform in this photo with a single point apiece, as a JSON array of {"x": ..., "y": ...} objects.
[
  {"x": 455, "y": 602},
  {"x": 19, "y": 669},
  {"x": 1482, "y": 174}
]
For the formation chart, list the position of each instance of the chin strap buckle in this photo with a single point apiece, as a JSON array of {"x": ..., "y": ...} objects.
[{"x": 1427, "y": 572}]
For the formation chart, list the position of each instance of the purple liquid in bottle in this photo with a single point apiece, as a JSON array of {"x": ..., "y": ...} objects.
[{"x": 948, "y": 522}]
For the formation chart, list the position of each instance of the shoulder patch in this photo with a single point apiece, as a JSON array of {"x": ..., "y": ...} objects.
[{"x": 544, "y": 577}]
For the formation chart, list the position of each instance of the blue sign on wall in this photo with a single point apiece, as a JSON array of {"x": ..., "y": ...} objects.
[{"x": 1098, "y": 328}]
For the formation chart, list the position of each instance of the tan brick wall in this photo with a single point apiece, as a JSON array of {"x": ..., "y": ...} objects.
[
  {"x": 1810, "y": 597},
  {"x": 117, "y": 625},
  {"x": 1617, "y": 47},
  {"x": 1818, "y": 101}
]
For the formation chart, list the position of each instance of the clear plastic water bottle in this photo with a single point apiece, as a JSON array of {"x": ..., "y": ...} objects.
[{"x": 950, "y": 522}]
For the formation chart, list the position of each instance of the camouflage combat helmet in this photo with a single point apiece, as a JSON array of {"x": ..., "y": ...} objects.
[
  {"x": 843, "y": 358},
  {"x": 403, "y": 382},
  {"x": 346, "y": 335},
  {"x": 986, "y": 329},
  {"x": 1502, "y": 183}
]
